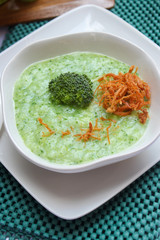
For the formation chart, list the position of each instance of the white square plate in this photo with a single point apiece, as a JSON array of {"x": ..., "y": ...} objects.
[{"x": 71, "y": 196}]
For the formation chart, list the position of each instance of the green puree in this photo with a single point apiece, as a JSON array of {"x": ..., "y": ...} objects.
[{"x": 32, "y": 101}]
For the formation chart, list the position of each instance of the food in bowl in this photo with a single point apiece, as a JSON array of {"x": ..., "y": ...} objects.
[{"x": 69, "y": 134}]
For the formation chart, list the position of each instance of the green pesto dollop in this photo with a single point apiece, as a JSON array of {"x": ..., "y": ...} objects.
[{"x": 32, "y": 101}]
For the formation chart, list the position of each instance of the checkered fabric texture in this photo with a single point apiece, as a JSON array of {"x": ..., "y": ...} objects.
[{"x": 133, "y": 214}]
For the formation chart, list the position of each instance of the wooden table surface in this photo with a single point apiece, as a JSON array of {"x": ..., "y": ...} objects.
[{"x": 15, "y": 11}]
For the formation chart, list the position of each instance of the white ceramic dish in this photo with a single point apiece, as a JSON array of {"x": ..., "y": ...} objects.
[
  {"x": 74, "y": 195},
  {"x": 91, "y": 42}
]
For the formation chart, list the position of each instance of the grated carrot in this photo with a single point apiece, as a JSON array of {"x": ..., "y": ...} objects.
[
  {"x": 46, "y": 126},
  {"x": 65, "y": 133},
  {"x": 108, "y": 132},
  {"x": 72, "y": 129},
  {"x": 107, "y": 119},
  {"x": 88, "y": 134},
  {"x": 96, "y": 128},
  {"x": 123, "y": 93}
]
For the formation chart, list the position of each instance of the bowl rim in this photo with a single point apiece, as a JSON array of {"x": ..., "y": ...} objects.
[{"x": 63, "y": 168}]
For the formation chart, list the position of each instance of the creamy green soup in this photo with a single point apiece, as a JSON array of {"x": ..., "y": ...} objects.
[{"x": 32, "y": 101}]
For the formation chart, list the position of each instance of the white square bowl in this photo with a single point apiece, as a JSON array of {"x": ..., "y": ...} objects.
[{"x": 91, "y": 42}]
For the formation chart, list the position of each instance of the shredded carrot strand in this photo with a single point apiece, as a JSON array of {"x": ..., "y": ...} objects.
[
  {"x": 47, "y": 135},
  {"x": 88, "y": 134},
  {"x": 107, "y": 119},
  {"x": 72, "y": 128},
  {"x": 108, "y": 132},
  {"x": 46, "y": 126},
  {"x": 96, "y": 128},
  {"x": 65, "y": 133}
]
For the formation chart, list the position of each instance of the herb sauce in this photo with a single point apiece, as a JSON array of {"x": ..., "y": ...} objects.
[{"x": 32, "y": 101}]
